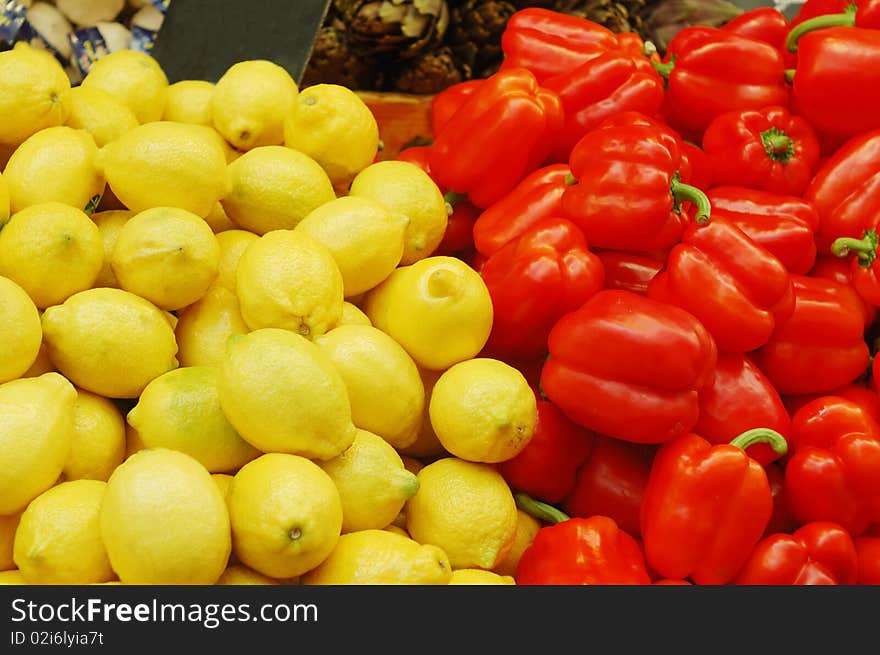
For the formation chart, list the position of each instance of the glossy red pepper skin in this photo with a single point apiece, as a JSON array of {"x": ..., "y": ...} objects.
[
  {"x": 500, "y": 134},
  {"x": 783, "y": 224},
  {"x": 864, "y": 265},
  {"x": 780, "y": 520},
  {"x": 707, "y": 79},
  {"x": 821, "y": 346},
  {"x": 533, "y": 281},
  {"x": 545, "y": 469},
  {"x": 868, "y": 552},
  {"x": 818, "y": 553},
  {"x": 856, "y": 393},
  {"x": 536, "y": 197},
  {"x": 703, "y": 511},
  {"x": 840, "y": 270},
  {"x": 766, "y": 148},
  {"x": 822, "y": 14},
  {"x": 629, "y": 367},
  {"x": 448, "y": 101},
  {"x": 629, "y": 271},
  {"x": 611, "y": 482},
  {"x": 766, "y": 24},
  {"x": 582, "y": 551},
  {"x": 695, "y": 167}
]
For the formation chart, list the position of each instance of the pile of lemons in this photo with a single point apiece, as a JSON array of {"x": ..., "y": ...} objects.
[{"x": 228, "y": 355}]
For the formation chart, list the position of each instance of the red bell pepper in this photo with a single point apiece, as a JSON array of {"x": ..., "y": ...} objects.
[
  {"x": 856, "y": 393},
  {"x": 834, "y": 13},
  {"x": 668, "y": 582},
  {"x": 821, "y": 346},
  {"x": 533, "y": 281},
  {"x": 628, "y": 270},
  {"x": 766, "y": 148},
  {"x": 740, "y": 398},
  {"x": 766, "y": 24},
  {"x": 706, "y": 77},
  {"x": 629, "y": 192},
  {"x": 579, "y": 551},
  {"x": 536, "y": 197},
  {"x": 818, "y": 553},
  {"x": 695, "y": 169},
  {"x": 500, "y": 134},
  {"x": 448, "y": 101},
  {"x": 706, "y": 506},
  {"x": 545, "y": 469},
  {"x": 840, "y": 270},
  {"x": 864, "y": 267},
  {"x": 782, "y": 224},
  {"x": 629, "y": 367},
  {"x": 780, "y": 520},
  {"x": 834, "y": 471},
  {"x": 611, "y": 482},
  {"x": 868, "y": 552}
]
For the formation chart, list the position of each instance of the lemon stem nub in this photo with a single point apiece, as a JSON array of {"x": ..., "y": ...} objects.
[{"x": 295, "y": 534}]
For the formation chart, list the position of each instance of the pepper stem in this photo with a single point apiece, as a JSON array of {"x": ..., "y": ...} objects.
[
  {"x": 762, "y": 435},
  {"x": 539, "y": 510},
  {"x": 452, "y": 197},
  {"x": 664, "y": 69},
  {"x": 779, "y": 146},
  {"x": 570, "y": 180},
  {"x": 845, "y": 19},
  {"x": 789, "y": 74},
  {"x": 865, "y": 248},
  {"x": 681, "y": 192}
]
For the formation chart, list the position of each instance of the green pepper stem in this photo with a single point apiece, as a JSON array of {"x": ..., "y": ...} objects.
[
  {"x": 845, "y": 19},
  {"x": 452, "y": 197},
  {"x": 779, "y": 146},
  {"x": 664, "y": 69},
  {"x": 539, "y": 510},
  {"x": 570, "y": 180},
  {"x": 682, "y": 192},
  {"x": 762, "y": 435},
  {"x": 865, "y": 248},
  {"x": 789, "y": 74}
]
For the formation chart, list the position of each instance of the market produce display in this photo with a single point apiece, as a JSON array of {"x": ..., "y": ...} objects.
[{"x": 615, "y": 324}]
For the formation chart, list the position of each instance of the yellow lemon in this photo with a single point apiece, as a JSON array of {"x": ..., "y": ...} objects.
[
  {"x": 333, "y": 126},
  {"x": 223, "y": 480},
  {"x": 351, "y": 315},
  {"x": 372, "y": 482},
  {"x": 527, "y": 527},
  {"x": 133, "y": 78},
  {"x": 384, "y": 386},
  {"x": 100, "y": 114},
  {"x": 4, "y": 197},
  {"x": 8, "y": 526},
  {"x": 396, "y": 529},
  {"x": 52, "y": 251},
  {"x": 283, "y": 394},
  {"x": 380, "y": 557},
  {"x": 58, "y": 540},
  {"x": 438, "y": 309},
  {"x": 55, "y": 165},
  {"x": 204, "y": 328},
  {"x": 12, "y": 577},
  {"x": 408, "y": 191},
  {"x": 238, "y": 574},
  {"x": 479, "y": 577},
  {"x": 97, "y": 442},
  {"x": 274, "y": 188},
  {"x": 365, "y": 239},
  {"x": 42, "y": 364},
  {"x": 189, "y": 101},
  {"x": 109, "y": 224},
  {"x": 232, "y": 245},
  {"x": 167, "y": 255},
  {"x": 250, "y": 102},
  {"x": 286, "y": 515},
  {"x": 34, "y": 94},
  {"x": 109, "y": 341},
  {"x": 181, "y": 410},
  {"x": 217, "y": 219},
  {"x": 483, "y": 410},
  {"x": 287, "y": 279},
  {"x": 466, "y": 509},
  {"x": 166, "y": 164},
  {"x": 20, "y": 327},
  {"x": 36, "y": 417},
  {"x": 426, "y": 444},
  {"x": 164, "y": 521},
  {"x": 133, "y": 441}
]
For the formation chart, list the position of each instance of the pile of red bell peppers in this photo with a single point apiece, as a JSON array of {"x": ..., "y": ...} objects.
[{"x": 682, "y": 256}]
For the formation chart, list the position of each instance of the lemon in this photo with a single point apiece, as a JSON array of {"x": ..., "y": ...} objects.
[
  {"x": 365, "y": 239},
  {"x": 286, "y": 515},
  {"x": 164, "y": 521},
  {"x": 287, "y": 279},
  {"x": 109, "y": 225},
  {"x": 100, "y": 114},
  {"x": 408, "y": 191},
  {"x": 283, "y": 394},
  {"x": 181, "y": 410},
  {"x": 333, "y": 126},
  {"x": 384, "y": 386},
  {"x": 55, "y": 165},
  {"x": 166, "y": 164},
  {"x": 465, "y": 508},
  {"x": 20, "y": 327},
  {"x": 36, "y": 417},
  {"x": 374, "y": 557},
  {"x": 34, "y": 94},
  {"x": 109, "y": 341},
  {"x": 395, "y": 529},
  {"x": 223, "y": 481},
  {"x": 527, "y": 527},
  {"x": 274, "y": 188},
  {"x": 52, "y": 251},
  {"x": 8, "y": 526},
  {"x": 189, "y": 101},
  {"x": 238, "y": 574},
  {"x": 4, "y": 197},
  {"x": 479, "y": 577},
  {"x": 204, "y": 328},
  {"x": 167, "y": 255},
  {"x": 42, "y": 364},
  {"x": 250, "y": 102},
  {"x": 351, "y": 315},
  {"x": 135, "y": 79},
  {"x": 97, "y": 442},
  {"x": 438, "y": 309},
  {"x": 12, "y": 577},
  {"x": 426, "y": 444},
  {"x": 372, "y": 482},
  {"x": 133, "y": 442},
  {"x": 58, "y": 540},
  {"x": 232, "y": 245},
  {"x": 217, "y": 219}
]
